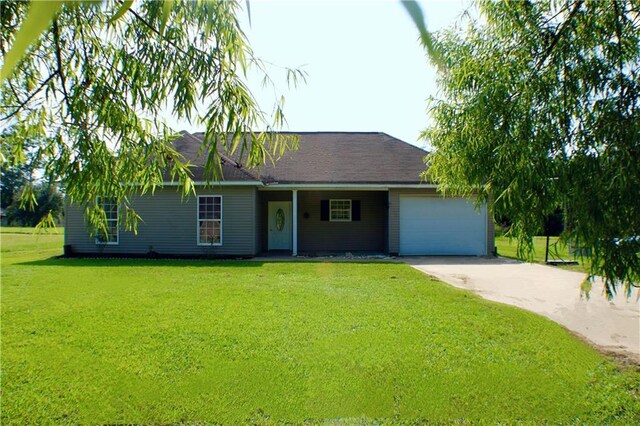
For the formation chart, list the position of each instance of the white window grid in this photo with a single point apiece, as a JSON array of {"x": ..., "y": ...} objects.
[
  {"x": 340, "y": 210},
  {"x": 111, "y": 211},
  {"x": 209, "y": 220}
]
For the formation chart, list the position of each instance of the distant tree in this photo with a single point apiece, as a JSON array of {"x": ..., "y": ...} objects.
[
  {"x": 48, "y": 207},
  {"x": 539, "y": 108},
  {"x": 12, "y": 179},
  {"x": 86, "y": 82},
  {"x": 17, "y": 171}
]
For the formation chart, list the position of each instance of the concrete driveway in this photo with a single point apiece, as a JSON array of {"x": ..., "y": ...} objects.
[{"x": 546, "y": 290}]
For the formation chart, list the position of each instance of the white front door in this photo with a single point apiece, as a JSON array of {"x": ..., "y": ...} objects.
[{"x": 279, "y": 225}]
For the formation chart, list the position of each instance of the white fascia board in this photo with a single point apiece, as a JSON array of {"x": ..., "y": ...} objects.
[
  {"x": 220, "y": 183},
  {"x": 311, "y": 186},
  {"x": 417, "y": 185},
  {"x": 343, "y": 186}
]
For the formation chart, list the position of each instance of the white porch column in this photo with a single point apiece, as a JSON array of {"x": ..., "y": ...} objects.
[{"x": 295, "y": 221}]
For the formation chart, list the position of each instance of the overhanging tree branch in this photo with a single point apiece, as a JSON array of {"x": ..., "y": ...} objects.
[
  {"x": 572, "y": 116},
  {"x": 152, "y": 28},
  {"x": 28, "y": 99},
  {"x": 95, "y": 131},
  {"x": 60, "y": 72},
  {"x": 556, "y": 37}
]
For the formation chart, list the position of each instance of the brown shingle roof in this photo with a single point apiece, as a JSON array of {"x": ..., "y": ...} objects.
[
  {"x": 327, "y": 157},
  {"x": 189, "y": 145}
]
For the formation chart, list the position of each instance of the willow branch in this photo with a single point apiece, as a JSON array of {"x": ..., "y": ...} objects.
[
  {"x": 56, "y": 40},
  {"x": 152, "y": 28},
  {"x": 26, "y": 101},
  {"x": 558, "y": 35}
]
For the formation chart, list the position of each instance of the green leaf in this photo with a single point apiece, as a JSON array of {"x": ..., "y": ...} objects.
[
  {"x": 585, "y": 287},
  {"x": 123, "y": 9},
  {"x": 167, "y": 5},
  {"x": 37, "y": 21},
  {"x": 415, "y": 12},
  {"x": 46, "y": 223},
  {"x": 28, "y": 198},
  {"x": 249, "y": 12}
]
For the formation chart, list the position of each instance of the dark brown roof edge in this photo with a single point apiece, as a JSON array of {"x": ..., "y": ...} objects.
[{"x": 406, "y": 143}]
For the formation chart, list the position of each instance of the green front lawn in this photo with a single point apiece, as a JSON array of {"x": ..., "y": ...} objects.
[
  {"x": 144, "y": 341},
  {"x": 16, "y": 242}
]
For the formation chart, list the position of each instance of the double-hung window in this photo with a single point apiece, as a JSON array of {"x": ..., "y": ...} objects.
[
  {"x": 209, "y": 220},
  {"x": 340, "y": 210},
  {"x": 110, "y": 207}
]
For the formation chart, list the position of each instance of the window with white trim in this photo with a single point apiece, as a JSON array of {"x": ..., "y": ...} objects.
[
  {"x": 340, "y": 210},
  {"x": 111, "y": 210},
  {"x": 209, "y": 220}
]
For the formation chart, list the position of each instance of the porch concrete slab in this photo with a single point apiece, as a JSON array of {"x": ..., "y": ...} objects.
[{"x": 613, "y": 326}]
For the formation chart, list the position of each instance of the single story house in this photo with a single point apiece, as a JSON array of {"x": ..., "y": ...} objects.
[{"x": 338, "y": 192}]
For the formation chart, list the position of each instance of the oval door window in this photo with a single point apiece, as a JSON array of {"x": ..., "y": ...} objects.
[{"x": 279, "y": 220}]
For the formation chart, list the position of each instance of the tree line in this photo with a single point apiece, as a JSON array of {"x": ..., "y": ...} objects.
[{"x": 49, "y": 201}]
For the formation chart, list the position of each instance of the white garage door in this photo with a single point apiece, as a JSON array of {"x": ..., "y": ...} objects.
[{"x": 442, "y": 226}]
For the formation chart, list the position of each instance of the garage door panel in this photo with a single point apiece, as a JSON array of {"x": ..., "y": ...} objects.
[{"x": 441, "y": 226}]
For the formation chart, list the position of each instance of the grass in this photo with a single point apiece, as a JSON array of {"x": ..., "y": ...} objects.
[
  {"x": 161, "y": 341},
  {"x": 16, "y": 240},
  {"x": 31, "y": 231},
  {"x": 509, "y": 248}
]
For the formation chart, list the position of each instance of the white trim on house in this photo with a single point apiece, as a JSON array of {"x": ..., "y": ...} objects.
[
  {"x": 218, "y": 183},
  {"x": 117, "y": 220},
  {"x": 343, "y": 186},
  {"x": 310, "y": 186},
  {"x": 221, "y": 220},
  {"x": 343, "y": 209}
]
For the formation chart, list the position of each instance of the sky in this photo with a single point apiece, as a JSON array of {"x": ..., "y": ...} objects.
[{"x": 366, "y": 69}]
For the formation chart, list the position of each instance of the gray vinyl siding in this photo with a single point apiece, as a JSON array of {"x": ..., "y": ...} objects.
[
  {"x": 394, "y": 218},
  {"x": 257, "y": 221},
  {"x": 366, "y": 235},
  {"x": 169, "y": 225}
]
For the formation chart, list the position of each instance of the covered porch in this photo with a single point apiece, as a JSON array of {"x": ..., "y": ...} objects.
[{"x": 320, "y": 221}]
